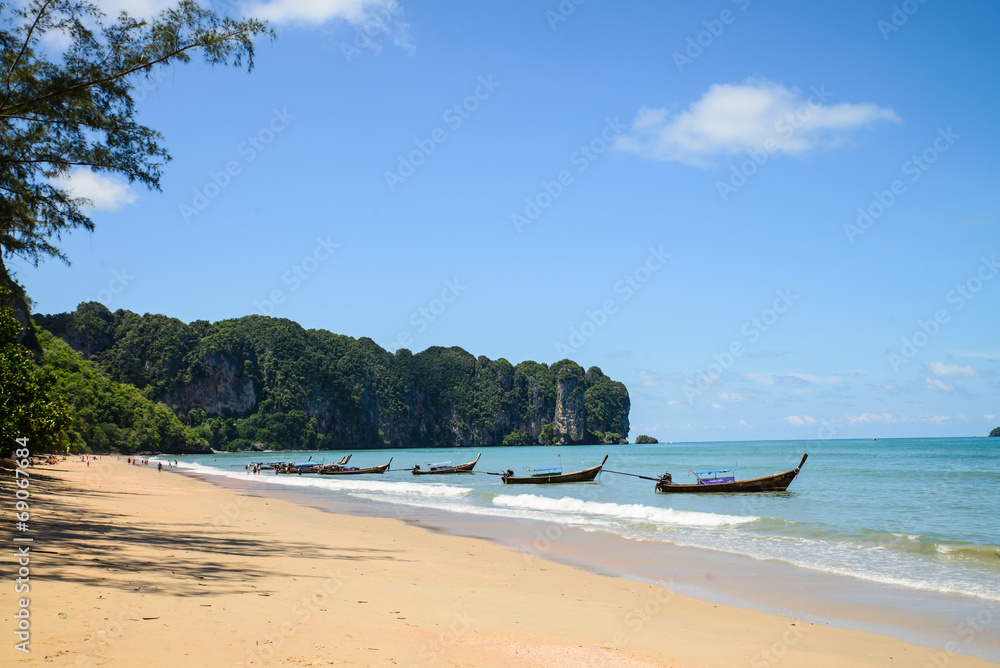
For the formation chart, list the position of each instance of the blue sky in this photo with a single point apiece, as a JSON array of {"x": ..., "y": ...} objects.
[{"x": 803, "y": 195}]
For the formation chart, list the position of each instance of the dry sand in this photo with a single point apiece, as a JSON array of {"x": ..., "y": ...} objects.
[{"x": 133, "y": 567}]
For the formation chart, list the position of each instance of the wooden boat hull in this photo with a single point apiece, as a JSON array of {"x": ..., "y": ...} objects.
[
  {"x": 460, "y": 468},
  {"x": 340, "y": 471},
  {"x": 290, "y": 469},
  {"x": 584, "y": 475},
  {"x": 778, "y": 482}
]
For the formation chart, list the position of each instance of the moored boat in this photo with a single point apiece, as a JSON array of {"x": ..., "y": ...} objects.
[
  {"x": 447, "y": 467},
  {"x": 553, "y": 475},
  {"x": 300, "y": 468},
  {"x": 337, "y": 469},
  {"x": 719, "y": 481},
  {"x": 306, "y": 467}
]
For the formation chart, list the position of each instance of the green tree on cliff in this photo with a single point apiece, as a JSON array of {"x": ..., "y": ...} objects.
[{"x": 995, "y": 432}]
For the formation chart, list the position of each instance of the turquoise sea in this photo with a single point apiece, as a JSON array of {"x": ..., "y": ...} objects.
[{"x": 917, "y": 514}]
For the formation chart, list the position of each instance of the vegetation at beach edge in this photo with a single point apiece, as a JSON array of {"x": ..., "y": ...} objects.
[{"x": 65, "y": 404}]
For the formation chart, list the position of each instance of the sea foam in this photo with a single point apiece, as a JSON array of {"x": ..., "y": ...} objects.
[
  {"x": 333, "y": 483},
  {"x": 635, "y": 511}
]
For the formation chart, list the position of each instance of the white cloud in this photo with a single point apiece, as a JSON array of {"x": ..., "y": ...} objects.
[
  {"x": 870, "y": 418},
  {"x": 936, "y": 384},
  {"x": 106, "y": 193},
  {"x": 372, "y": 17},
  {"x": 744, "y": 424},
  {"x": 977, "y": 354},
  {"x": 731, "y": 396},
  {"x": 672, "y": 402},
  {"x": 889, "y": 418},
  {"x": 945, "y": 370},
  {"x": 797, "y": 421},
  {"x": 138, "y": 9},
  {"x": 988, "y": 417},
  {"x": 648, "y": 378},
  {"x": 772, "y": 378},
  {"x": 754, "y": 115}
]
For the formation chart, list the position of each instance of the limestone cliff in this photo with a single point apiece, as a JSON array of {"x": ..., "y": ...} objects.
[{"x": 265, "y": 380}]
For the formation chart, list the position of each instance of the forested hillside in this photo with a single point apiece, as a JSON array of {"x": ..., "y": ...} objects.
[{"x": 271, "y": 383}]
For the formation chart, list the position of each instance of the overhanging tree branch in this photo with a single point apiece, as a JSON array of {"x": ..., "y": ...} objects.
[{"x": 77, "y": 109}]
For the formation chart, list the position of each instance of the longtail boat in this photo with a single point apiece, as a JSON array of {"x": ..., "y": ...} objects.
[
  {"x": 720, "y": 481},
  {"x": 337, "y": 469},
  {"x": 307, "y": 467},
  {"x": 553, "y": 475},
  {"x": 300, "y": 468},
  {"x": 447, "y": 467}
]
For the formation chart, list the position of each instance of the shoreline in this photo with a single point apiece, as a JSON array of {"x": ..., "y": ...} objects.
[
  {"x": 134, "y": 567},
  {"x": 933, "y": 619}
]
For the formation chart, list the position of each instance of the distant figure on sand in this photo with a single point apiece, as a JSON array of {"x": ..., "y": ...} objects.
[{"x": 159, "y": 467}]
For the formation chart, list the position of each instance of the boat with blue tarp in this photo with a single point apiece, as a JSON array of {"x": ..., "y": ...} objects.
[
  {"x": 447, "y": 467},
  {"x": 724, "y": 480},
  {"x": 552, "y": 474}
]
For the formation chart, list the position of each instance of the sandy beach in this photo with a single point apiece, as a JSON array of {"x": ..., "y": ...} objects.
[{"x": 134, "y": 567}]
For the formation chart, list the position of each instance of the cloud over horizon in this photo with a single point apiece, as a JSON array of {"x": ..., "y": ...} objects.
[{"x": 753, "y": 115}]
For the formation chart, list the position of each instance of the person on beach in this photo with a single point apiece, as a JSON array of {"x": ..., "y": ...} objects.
[{"x": 159, "y": 467}]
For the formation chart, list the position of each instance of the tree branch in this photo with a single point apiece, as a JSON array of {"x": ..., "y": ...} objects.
[{"x": 24, "y": 47}]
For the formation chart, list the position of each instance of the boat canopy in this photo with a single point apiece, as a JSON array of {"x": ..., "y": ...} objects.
[
  {"x": 715, "y": 471},
  {"x": 436, "y": 464},
  {"x": 547, "y": 468}
]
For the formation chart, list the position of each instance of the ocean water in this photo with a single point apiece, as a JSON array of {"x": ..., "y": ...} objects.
[{"x": 914, "y": 513}]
